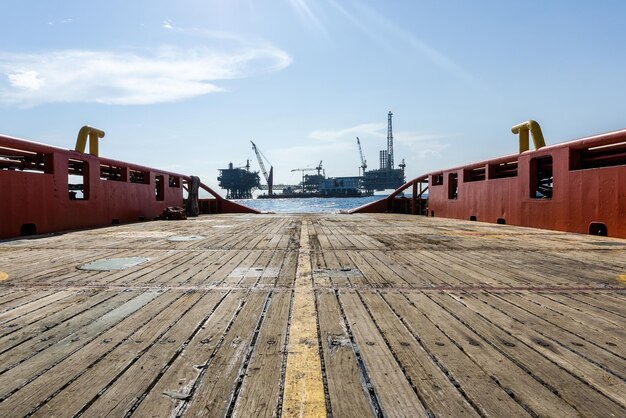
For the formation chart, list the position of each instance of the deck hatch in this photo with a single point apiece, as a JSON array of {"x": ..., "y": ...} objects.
[
  {"x": 181, "y": 238},
  {"x": 114, "y": 263}
]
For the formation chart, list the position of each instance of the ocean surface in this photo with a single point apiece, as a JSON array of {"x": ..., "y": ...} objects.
[{"x": 308, "y": 205}]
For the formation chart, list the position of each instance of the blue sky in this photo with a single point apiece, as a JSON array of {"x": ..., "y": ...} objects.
[{"x": 186, "y": 85}]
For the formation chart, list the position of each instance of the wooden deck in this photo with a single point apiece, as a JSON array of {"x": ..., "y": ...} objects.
[{"x": 314, "y": 315}]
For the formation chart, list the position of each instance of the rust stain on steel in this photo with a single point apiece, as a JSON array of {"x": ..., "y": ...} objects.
[{"x": 304, "y": 388}]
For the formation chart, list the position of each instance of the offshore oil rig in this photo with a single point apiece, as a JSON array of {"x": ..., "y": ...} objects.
[
  {"x": 387, "y": 176},
  {"x": 240, "y": 182}
]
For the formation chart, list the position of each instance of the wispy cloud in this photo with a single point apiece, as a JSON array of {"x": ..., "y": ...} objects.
[
  {"x": 167, "y": 24},
  {"x": 62, "y": 22},
  {"x": 115, "y": 77},
  {"x": 371, "y": 129},
  {"x": 420, "y": 144}
]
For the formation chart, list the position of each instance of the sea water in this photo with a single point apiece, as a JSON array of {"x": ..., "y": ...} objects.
[{"x": 309, "y": 205}]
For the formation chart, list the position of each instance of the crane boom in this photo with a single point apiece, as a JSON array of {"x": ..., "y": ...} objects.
[
  {"x": 269, "y": 178},
  {"x": 363, "y": 162}
]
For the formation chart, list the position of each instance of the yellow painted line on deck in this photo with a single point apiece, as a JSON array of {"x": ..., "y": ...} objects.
[
  {"x": 3, "y": 276},
  {"x": 304, "y": 389},
  {"x": 621, "y": 278}
]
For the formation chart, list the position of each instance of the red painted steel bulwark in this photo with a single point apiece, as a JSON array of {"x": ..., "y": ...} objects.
[
  {"x": 43, "y": 199},
  {"x": 589, "y": 188},
  {"x": 581, "y": 197},
  {"x": 39, "y": 199}
]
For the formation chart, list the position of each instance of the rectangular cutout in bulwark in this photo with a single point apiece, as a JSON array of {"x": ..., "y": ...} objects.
[
  {"x": 541, "y": 179},
  {"x": 174, "y": 181},
  {"x": 598, "y": 157},
  {"x": 503, "y": 170},
  {"x": 436, "y": 179},
  {"x": 12, "y": 159},
  {"x": 474, "y": 174},
  {"x": 159, "y": 187},
  {"x": 78, "y": 179},
  {"x": 453, "y": 186},
  {"x": 138, "y": 176},
  {"x": 112, "y": 172}
]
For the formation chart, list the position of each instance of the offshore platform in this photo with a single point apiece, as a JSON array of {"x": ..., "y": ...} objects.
[
  {"x": 240, "y": 182},
  {"x": 387, "y": 176}
]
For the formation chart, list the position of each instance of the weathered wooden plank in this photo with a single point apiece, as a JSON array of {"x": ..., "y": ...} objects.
[
  {"x": 613, "y": 304},
  {"x": 21, "y": 349},
  {"x": 435, "y": 390},
  {"x": 574, "y": 391},
  {"x": 588, "y": 330},
  {"x": 287, "y": 273},
  {"x": 218, "y": 380},
  {"x": 239, "y": 272},
  {"x": 177, "y": 384},
  {"x": 84, "y": 393},
  {"x": 27, "y": 301},
  {"x": 486, "y": 375},
  {"x": 382, "y": 368},
  {"x": 346, "y": 385},
  {"x": 261, "y": 388},
  {"x": 184, "y": 273},
  {"x": 29, "y": 326},
  {"x": 332, "y": 263},
  {"x": 478, "y": 387},
  {"x": 7, "y": 295},
  {"x": 167, "y": 337},
  {"x": 590, "y": 350},
  {"x": 218, "y": 276},
  {"x": 16, "y": 377},
  {"x": 199, "y": 275}
]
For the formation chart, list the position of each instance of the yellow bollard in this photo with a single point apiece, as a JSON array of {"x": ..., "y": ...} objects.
[
  {"x": 522, "y": 130},
  {"x": 93, "y": 134}
]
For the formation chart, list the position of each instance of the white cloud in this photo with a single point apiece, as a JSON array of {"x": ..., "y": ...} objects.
[
  {"x": 167, "y": 24},
  {"x": 28, "y": 80},
  {"x": 114, "y": 77}
]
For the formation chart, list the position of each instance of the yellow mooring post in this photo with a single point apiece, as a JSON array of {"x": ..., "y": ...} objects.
[
  {"x": 522, "y": 130},
  {"x": 93, "y": 134}
]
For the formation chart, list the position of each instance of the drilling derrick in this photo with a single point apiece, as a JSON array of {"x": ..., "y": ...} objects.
[
  {"x": 387, "y": 176},
  {"x": 389, "y": 142}
]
